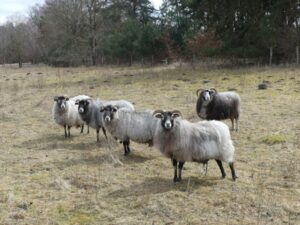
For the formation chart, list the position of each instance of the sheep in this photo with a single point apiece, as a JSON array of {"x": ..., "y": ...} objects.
[
  {"x": 89, "y": 112},
  {"x": 183, "y": 141},
  {"x": 64, "y": 112},
  {"x": 212, "y": 105},
  {"x": 129, "y": 125}
]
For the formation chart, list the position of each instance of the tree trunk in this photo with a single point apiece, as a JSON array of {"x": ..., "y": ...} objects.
[
  {"x": 297, "y": 55},
  {"x": 130, "y": 64},
  {"x": 271, "y": 56},
  {"x": 93, "y": 46},
  {"x": 152, "y": 60},
  {"x": 20, "y": 63},
  {"x": 102, "y": 60}
]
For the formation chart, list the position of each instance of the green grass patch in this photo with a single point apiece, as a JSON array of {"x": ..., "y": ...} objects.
[
  {"x": 81, "y": 218},
  {"x": 274, "y": 139},
  {"x": 40, "y": 176}
]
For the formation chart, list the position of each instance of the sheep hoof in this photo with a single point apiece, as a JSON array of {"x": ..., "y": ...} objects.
[{"x": 176, "y": 179}]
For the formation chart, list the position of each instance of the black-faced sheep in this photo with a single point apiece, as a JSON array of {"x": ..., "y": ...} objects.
[
  {"x": 212, "y": 105},
  {"x": 89, "y": 112},
  {"x": 183, "y": 141},
  {"x": 65, "y": 113}
]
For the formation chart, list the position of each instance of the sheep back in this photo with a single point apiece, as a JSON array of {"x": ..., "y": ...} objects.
[
  {"x": 136, "y": 126},
  {"x": 223, "y": 105}
]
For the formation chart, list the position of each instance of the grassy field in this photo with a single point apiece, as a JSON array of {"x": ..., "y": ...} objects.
[{"x": 47, "y": 179}]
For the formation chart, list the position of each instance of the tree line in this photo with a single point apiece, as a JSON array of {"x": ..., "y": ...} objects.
[{"x": 98, "y": 32}]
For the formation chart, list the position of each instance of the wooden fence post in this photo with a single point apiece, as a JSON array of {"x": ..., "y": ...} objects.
[{"x": 271, "y": 56}]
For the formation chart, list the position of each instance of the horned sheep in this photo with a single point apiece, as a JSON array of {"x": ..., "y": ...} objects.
[
  {"x": 213, "y": 105},
  {"x": 183, "y": 141}
]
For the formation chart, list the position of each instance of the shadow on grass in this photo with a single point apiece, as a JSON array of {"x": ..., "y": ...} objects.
[
  {"x": 98, "y": 159},
  {"x": 157, "y": 185},
  {"x": 50, "y": 142},
  {"x": 133, "y": 158},
  {"x": 69, "y": 162}
]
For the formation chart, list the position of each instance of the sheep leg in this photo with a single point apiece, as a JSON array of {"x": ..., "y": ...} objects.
[
  {"x": 98, "y": 139},
  {"x": 128, "y": 143},
  {"x": 82, "y": 129},
  {"x": 219, "y": 162},
  {"x": 69, "y": 134},
  {"x": 174, "y": 162},
  {"x": 232, "y": 124},
  {"x": 237, "y": 124},
  {"x": 66, "y": 135},
  {"x": 180, "y": 166},
  {"x": 150, "y": 143},
  {"x": 126, "y": 147},
  {"x": 88, "y": 129},
  {"x": 231, "y": 165},
  {"x": 104, "y": 132}
]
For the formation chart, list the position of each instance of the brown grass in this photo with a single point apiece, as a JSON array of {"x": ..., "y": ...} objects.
[{"x": 46, "y": 179}]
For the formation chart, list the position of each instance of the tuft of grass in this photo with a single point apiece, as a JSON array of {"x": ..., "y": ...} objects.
[
  {"x": 40, "y": 176},
  {"x": 80, "y": 218},
  {"x": 274, "y": 139}
]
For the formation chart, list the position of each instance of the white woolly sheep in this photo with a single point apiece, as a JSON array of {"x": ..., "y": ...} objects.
[
  {"x": 183, "y": 141},
  {"x": 65, "y": 112},
  {"x": 129, "y": 125}
]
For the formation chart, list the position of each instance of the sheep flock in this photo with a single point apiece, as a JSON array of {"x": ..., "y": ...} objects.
[{"x": 176, "y": 138}]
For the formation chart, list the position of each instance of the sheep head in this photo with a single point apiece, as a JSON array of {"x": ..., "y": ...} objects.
[
  {"x": 109, "y": 112},
  {"x": 82, "y": 105},
  {"x": 61, "y": 102},
  {"x": 167, "y": 118}
]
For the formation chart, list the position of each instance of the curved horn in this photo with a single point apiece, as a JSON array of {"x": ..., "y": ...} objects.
[
  {"x": 158, "y": 113},
  {"x": 199, "y": 90},
  {"x": 213, "y": 89},
  {"x": 115, "y": 108},
  {"x": 176, "y": 113}
]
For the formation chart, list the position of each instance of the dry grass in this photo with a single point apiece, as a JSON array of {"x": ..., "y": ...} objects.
[{"x": 46, "y": 179}]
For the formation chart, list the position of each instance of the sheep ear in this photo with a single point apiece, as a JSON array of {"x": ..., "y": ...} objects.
[
  {"x": 199, "y": 91},
  {"x": 55, "y": 98},
  {"x": 77, "y": 102},
  {"x": 115, "y": 108},
  {"x": 176, "y": 113},
  {"x": 158, "y": 114},
  {"x": 102, "y": 109},
  {"x": 67, "y": 99}
]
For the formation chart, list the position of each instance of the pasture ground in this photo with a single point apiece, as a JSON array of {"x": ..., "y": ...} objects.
[{"x": 47, "y": 179}]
